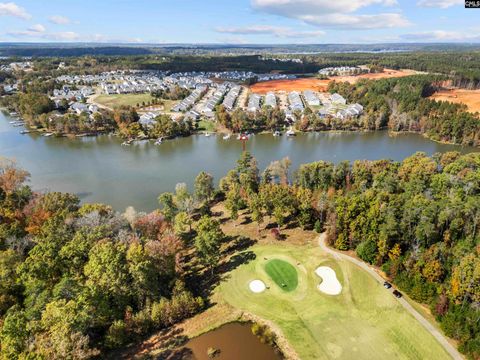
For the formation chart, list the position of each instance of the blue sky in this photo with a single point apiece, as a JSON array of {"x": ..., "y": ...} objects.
[{"x": 238, "y": 21}]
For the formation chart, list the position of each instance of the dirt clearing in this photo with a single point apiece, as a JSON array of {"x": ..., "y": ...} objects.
[
  {"x": 321, "y": 85},
  {"x": 471, "y": 98}
]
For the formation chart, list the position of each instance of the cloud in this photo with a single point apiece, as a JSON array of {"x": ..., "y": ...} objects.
[
  {"x": 334, "y": 13},
  {"x": 39, "y": 31},
  {"x": 277, "y": 31},
  {"x": 443, "y": 4},
  {"x": 37, "y": 28},
  {"x": 59, "y": 20},
  {"x": 12, "y": 9},
  {"x": 442, "y": 36}
]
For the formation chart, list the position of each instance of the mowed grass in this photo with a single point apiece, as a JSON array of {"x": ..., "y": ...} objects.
[
  {"x": 283, "y": 274},
  {"x": 364, "y": 322},
  {"x": 113, "y": 101}
]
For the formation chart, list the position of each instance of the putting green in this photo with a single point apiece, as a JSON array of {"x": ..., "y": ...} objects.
[
  {"x": 364, "y": 321},
  {"x": 283, "y": 274}
]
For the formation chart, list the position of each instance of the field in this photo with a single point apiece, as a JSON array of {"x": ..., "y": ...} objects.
[
  {"x": 363, "y": 322},
  {"x": 113, "y": 101},
  {"x": 321, "y": 85},
  {"x": 471, "y": 98}
]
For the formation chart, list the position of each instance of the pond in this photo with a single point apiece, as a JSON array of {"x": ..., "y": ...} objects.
[
  {"x": 99, "y": 169},
  {"x": 235, "y": 342}
]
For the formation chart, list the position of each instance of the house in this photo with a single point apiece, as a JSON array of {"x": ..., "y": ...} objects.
[
  {"x": 338, "y": 99},
  {"x": 231, "y": 98},
  {"x": 271, "y": 99},
  {"x": 295, "y": 101},
  {"x": 254, "y": 103},
  {"x": 147, "y": 120},
  {"x": 289, "y": 116},
  {"x": 311, "y": 98},
  {"x": 79, "y": 107},
  {"x": 192, "y": 115}
]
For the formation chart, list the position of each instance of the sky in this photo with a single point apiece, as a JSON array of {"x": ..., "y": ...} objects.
[{"x": 239, "y": 21}]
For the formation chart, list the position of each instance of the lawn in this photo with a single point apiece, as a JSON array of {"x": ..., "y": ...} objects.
[
  {"x": 283, "y": 274},
  {"x": 113, "y": 101},
  {"x": 363, "y": 322},
  {"x": 206, "y": 125}
]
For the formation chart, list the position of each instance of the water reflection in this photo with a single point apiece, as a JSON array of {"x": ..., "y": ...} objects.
[{"x": 101, "y": 170}]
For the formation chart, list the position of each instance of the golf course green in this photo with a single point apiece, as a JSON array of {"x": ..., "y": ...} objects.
[
  {"x": 283, "y": 274},
  {"x": 364, "y": 321}
]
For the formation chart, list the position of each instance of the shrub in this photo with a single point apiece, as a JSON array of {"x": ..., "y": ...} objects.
[
  {"x": 117, "y": 335},
  {"x": 264, "y": 334},
  {"x": 367, "y": 251}
]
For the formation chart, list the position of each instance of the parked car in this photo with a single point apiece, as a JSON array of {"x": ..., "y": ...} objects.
[
  {"x": 387, "y": 285},
  {"x": 397, "y": 294}
]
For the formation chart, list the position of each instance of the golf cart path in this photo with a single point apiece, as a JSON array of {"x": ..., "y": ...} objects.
[{"x": 425, "y": 323}]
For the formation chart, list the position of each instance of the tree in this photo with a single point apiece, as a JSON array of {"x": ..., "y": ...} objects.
[
  {"x": 465, "y": 283},
  {"x": 11, "y": 177},
  {"x": 233, "y": 201},
  {"x": 183, "y": 199},
  {"x": 247, "y": 166},
  {"x": 182, "y": 223},
  {"x": 204, "y": 187},
  {"x": 14, "y": 333},
  {"x": 169, "y": 208},
  {"x": 208, "y": 241},
  {"x": 108, "y": 278},
  {"x": 255, "y": 206}
]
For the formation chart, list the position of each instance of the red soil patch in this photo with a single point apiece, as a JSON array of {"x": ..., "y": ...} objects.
[
  {"x": 471, "y": 98},
  {"x": 321, "y": 85},
  {"x": 290, "y": 85},
  {"x": 386, "y": 74}
]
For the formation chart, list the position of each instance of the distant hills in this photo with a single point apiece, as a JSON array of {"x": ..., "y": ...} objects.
[{"x": 82, "y": 49}]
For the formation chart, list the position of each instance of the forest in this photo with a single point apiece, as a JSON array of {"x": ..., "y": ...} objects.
[{"x": 84, "y": 279}]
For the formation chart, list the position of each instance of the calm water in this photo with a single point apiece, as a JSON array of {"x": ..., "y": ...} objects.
[
  {"x": 235, "y": 341},
  {"x": 98, "y": 169}
]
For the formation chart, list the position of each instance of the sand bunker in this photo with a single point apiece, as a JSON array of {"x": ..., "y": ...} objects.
[
  {"x": 330, "y": 284},
  {"x": 257, "y": 286}
]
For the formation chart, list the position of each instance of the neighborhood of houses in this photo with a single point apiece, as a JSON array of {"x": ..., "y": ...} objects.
[
  {"x": 207, "y": 91},
  {"x": 343, "y": 70}
]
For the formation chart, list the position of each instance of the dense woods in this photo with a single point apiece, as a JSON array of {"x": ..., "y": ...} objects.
[{"x": 76, "y": 280}]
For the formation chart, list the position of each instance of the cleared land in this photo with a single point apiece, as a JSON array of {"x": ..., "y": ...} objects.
[
  {"x": 321, "y": 85},
  {"x": 364, "y": 322},
  {"x": 283, "y": 274},
  {"x": 386, "y": 74},
  {"x": 471, "y": 98},
  {"x": 290, "y": 85}
]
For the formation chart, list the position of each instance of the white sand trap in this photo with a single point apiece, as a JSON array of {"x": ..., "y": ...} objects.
[
  {"x": 257, "y": 286},
  {"x": 330, "y": 284}
]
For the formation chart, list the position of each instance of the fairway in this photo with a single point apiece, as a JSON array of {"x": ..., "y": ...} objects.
[
  {"x": 283, "y": 274},
  {"x": 364, "y": 321}
]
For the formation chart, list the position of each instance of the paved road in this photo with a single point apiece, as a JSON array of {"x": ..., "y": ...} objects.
[{"x": 426, "y": 324}]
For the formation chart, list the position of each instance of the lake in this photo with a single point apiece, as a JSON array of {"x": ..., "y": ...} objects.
[{"x": 98, "y": 169}]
